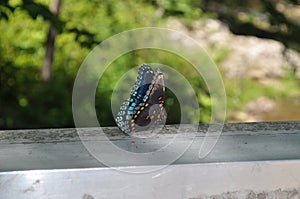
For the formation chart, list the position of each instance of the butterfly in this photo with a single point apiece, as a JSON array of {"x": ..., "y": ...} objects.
[{"x": 145, "y": 107}]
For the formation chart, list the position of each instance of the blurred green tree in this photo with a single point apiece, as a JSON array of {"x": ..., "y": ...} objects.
[{"x": 28, "y": 102}]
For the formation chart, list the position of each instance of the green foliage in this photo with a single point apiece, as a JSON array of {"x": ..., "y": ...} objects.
[
  {"x": 189, "y": 10},
  {"x": 27, "y": 102},
  {"x": 5, "y": 9},
  {"x": 239, "y": 92}
]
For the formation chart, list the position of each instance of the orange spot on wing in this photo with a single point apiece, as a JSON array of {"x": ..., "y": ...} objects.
[{"x": 152, "y": 90}]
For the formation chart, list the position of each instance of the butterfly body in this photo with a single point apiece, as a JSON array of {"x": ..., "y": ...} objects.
[{"x": 145, "y": 107}]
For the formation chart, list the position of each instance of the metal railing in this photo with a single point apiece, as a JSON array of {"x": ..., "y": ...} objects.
[{"x": 250, "y": 160}]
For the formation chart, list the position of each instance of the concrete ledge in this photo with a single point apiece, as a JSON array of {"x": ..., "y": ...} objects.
[
  {"x": 63, "y": 149},
  {"x": 245, "y": 180},
  {"x": 250, "y": 160}
]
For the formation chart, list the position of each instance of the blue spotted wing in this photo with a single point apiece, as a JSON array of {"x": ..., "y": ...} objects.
[{"x": 145, "y": 107}]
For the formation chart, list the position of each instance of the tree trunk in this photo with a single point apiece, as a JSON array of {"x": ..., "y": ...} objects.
[{"x": 50, "y": 47}]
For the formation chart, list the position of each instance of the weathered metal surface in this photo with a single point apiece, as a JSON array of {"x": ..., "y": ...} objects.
[
  {"x": 253, "y": 160},
  {"x": 62, "y": 148},
  {"x": 215, "y": 180}
]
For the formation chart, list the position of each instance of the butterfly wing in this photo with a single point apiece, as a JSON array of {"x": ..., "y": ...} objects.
[
  {"x": 145, "y": 107},
  {"x": 137, "y": 98},
  {"x": 152, "y": 112}
]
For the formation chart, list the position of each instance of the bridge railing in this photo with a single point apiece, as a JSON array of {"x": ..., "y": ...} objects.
[{"x": 250, "y": 160}]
